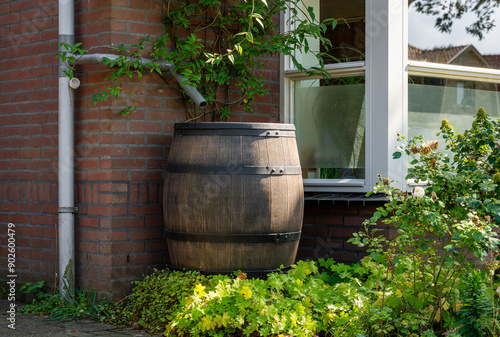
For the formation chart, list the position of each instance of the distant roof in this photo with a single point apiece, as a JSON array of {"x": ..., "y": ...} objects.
[
  {"x": 437, "y": 55},
  {"x": 494, "y": 60},
  {"x": 450, "y": 54}
]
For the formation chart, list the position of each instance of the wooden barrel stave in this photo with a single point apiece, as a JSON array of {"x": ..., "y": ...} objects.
[{"x": 233, "y": 203}]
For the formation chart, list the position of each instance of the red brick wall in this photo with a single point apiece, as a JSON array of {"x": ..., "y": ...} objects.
[
  {"x": 28, "y": 135},
  {"x": 118, "y": 160},
  {"x": 327, "y": 227}
]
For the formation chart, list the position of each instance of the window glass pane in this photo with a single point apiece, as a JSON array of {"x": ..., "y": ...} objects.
[
  {"x": 471, "y": 40},
  {"x": 330, "y": 123},
  {"x": 432, "y": 99},
  {"x": 348, "y": 37}
]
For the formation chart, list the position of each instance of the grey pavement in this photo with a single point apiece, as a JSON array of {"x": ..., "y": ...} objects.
[{"x": 27, "y": 325}]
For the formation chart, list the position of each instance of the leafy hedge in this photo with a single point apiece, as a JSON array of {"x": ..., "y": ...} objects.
[{"x": 320, "y": 298}]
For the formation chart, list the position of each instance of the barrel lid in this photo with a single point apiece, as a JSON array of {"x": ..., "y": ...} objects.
[{"x": 224, "y": 125}]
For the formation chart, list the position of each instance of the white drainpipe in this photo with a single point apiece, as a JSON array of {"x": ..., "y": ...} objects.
[
  {"x": 66, "y": 184},
  {"x": 66, "y": 181}
]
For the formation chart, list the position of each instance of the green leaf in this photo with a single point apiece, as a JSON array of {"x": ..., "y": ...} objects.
[
  {"x": 238, "y": 48},
  {"x": 334, "y": 24},
  {"x": 449, "y": 247},
  {"x": 260, "y": 22},
  {"x": 396, "y": 155},
  {"x": 249, "y": 37},
  {"x": 311, "y": 13}
]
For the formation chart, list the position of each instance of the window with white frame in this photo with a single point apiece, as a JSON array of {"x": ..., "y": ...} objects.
[
  {"x": 392, "y": 72},
  {"x": 451, "y": 74}
]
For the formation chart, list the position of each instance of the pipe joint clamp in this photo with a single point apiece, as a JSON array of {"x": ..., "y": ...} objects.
[{"x": 73, "y": 210}]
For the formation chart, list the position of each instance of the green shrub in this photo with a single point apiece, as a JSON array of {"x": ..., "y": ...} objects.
[
  {"x": 155, "y": 300},
  {"x": 441, "y": 226}
]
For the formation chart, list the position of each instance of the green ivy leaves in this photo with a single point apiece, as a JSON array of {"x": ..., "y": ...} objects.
[
  {"x": 68, "y": 55},
  {"x": 232, "y": 38},
  {"x": 219, "y": 47}
]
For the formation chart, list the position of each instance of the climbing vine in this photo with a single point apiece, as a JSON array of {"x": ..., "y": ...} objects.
[{"x": 219, "y": 47}]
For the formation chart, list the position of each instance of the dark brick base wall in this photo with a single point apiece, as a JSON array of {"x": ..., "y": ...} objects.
[{"x": 328, "y": 225}]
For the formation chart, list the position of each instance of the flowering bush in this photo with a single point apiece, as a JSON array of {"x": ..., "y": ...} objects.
[{"x": 443, "y": 228}]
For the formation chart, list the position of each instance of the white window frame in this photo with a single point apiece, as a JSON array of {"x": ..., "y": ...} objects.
[
  {"x": 386, "y": 32},
  {"x": 386, "y": 71},
  {"x": 463, "y": 73}
]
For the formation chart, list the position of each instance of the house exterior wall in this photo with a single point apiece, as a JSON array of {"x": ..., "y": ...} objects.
[
  {"x": 327, "y": 227},
  {"x": 119, "y": 160},
  {"x": 28, "y": 135}
]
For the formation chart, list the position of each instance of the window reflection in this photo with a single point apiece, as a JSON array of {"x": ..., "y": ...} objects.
[
  {"x": 459, "y": 55},
  {"x": 348, "y": 37},
  {"x": 330, "y": 123},
  {"x": 466, "y": 36},
  {"x": 432, "y": 99}
]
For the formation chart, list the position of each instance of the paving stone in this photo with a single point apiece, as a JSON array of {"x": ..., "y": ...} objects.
[{"x": 28, "y": 325}]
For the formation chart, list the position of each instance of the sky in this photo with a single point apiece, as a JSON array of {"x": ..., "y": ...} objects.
[{"x": 423, "y": 35}]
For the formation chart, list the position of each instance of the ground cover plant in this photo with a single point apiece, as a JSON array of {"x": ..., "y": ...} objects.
[
  {"x": 304, "y": 301},
  {"x": 311, "y": 298},
  {"x": 155, "y": 300},
  {"x": 56, "y": 306}
]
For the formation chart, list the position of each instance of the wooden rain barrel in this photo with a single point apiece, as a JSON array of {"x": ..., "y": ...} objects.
[{"x": 233, "y": 197}]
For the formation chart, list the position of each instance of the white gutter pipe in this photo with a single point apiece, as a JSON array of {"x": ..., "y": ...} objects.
[
  {"x": 66, "y": 184},
  {"x": 163, "y": 66}
]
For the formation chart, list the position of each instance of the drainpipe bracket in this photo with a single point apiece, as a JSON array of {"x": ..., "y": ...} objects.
[{"x": 73, "y": 210}]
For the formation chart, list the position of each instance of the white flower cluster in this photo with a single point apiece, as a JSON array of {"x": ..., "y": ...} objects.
[{"x": 418, "y": 192}]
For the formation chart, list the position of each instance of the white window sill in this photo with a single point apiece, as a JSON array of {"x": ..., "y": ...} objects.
[
  {"x": 334, "y": 182},
  {"x": 336, "y": 185}
]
